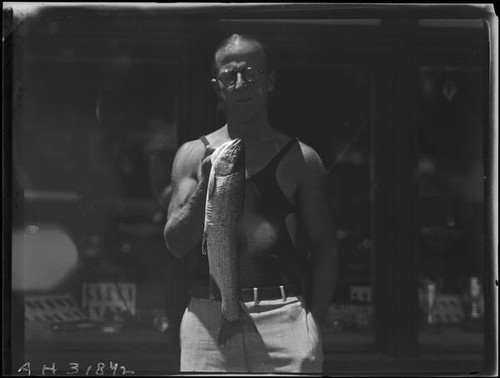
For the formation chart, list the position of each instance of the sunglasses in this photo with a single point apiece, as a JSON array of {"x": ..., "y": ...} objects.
[{"x": 249, "y": 75}]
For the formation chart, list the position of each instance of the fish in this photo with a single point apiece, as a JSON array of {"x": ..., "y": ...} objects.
[{"x": 223, "y": 218}]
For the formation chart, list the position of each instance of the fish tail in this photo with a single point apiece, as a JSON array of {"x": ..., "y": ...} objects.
[
  {"x": 250, "y": 320},
  {"x": 227, "y": 329}
]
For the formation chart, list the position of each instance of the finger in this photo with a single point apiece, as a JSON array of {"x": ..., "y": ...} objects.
[
  {"x": 227, "y": 330},
  {"x": 208, "y": 151}
]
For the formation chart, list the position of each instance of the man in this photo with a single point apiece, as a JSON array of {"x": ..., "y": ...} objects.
[{"x": 285, "y": 197}]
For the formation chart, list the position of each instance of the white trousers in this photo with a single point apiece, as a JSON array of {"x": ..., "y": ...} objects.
[{"x": 284, "y": 337}]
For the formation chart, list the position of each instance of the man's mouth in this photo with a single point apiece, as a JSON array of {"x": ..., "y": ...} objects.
[{"x": 244, "y": 99}]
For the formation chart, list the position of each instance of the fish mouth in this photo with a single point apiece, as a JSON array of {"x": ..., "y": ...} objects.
[{"x": 231, "y": 158}]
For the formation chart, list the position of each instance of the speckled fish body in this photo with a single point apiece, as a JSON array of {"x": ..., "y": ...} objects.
[{"x": 223, "y": 217}]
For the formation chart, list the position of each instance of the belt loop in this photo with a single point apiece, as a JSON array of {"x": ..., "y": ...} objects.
[
  {"x": 283, "y": 295},
  {"x": 255, "y": 295}
]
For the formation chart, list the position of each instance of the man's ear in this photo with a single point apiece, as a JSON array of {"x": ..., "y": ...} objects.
[
  {"x": 216, "y": 87},
  {"x": 271, "y": 81}
]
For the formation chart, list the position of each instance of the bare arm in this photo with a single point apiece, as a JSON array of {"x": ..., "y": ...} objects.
[
  {"x": 186, "y": 211},
  {"x": 312, "y": 201}
]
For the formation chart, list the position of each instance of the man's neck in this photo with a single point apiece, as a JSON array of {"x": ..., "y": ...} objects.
[{"x": 251, "y": 131}]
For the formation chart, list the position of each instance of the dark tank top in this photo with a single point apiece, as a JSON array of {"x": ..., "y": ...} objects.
[{"x": 267, "y": 257}]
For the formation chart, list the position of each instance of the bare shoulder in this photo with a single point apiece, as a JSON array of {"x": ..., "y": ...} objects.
[
  {"x": 311, "y": 176},
  {"x": 307, "y": 160},
  {"x": 301, "y": 171},
  {"x": 188, "y": 158},
  {"x": 310, "y": 155}
]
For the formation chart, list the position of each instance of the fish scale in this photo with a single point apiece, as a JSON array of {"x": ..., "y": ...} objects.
[{"x": 223, "y": 217}]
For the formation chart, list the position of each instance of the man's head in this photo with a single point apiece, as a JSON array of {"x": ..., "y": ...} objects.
[{"x": 241, "y": 77}]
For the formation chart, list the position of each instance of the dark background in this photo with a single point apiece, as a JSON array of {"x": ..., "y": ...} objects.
[{"x": 395, "y": 99}]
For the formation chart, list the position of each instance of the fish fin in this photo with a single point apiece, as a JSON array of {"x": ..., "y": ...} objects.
[
  {"x": 250, "y": 320},
  {"x": 210, "y": 193},
  {"x": 227, "y": 330},
  {"x": 204, "y": 246},
  {"x": 212, "y": 184},
  {"x": 213, "y": 289}
]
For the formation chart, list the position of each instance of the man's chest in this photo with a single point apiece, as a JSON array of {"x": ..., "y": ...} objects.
[
  {"x": 259, "y": 155},
  {"x": 266, "y": 161}
]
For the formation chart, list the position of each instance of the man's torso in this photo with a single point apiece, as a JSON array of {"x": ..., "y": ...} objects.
[
  {"x": 270, "y": 255},
  {"x": 259, "y": 153}
]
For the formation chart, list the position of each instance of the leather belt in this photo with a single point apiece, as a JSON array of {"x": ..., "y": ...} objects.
[{"x": 252, "y": 294}]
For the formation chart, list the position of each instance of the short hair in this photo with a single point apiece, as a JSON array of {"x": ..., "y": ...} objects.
[{"x": 232, "y": 40}]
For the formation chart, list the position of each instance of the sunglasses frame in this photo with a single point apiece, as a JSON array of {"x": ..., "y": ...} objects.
[{"x": 242, "y": 71}]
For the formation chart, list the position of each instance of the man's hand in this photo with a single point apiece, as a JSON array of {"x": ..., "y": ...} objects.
[
  {"x": 186, "y": 213},
  {"x": 206, "y": 164}
]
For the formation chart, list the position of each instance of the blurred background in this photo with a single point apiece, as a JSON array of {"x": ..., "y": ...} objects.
[{"x": 396, "y": 101}]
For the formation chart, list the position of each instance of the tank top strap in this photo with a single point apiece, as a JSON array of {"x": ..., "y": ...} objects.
[
  {"x": 277, "y": 158},
  {"x": 205, "y": 141}
]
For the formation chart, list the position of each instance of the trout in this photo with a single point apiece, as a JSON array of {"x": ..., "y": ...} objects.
[{"x": 223, "y": 218}]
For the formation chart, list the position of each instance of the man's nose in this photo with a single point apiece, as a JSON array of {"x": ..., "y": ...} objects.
[{"x": 239, "y": 80}]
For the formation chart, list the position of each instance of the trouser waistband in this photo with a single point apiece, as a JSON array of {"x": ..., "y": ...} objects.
[{"x": 252, "y": 294}]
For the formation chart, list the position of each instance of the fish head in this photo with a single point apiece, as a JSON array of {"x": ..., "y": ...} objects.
[{"x": 229, "y": 158}]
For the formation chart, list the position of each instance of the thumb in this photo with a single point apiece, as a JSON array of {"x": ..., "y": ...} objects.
[{"x": 209, "y": 150}]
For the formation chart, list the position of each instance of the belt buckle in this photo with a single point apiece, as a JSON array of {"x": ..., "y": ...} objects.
[
  {"x": 256, "y": 295},
  {"x": 283, "y": 294}
]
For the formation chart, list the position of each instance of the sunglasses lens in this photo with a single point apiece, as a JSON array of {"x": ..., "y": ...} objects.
[
  {"x": 227, "y": 77},
  {"x": 250, "y": 75}
]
